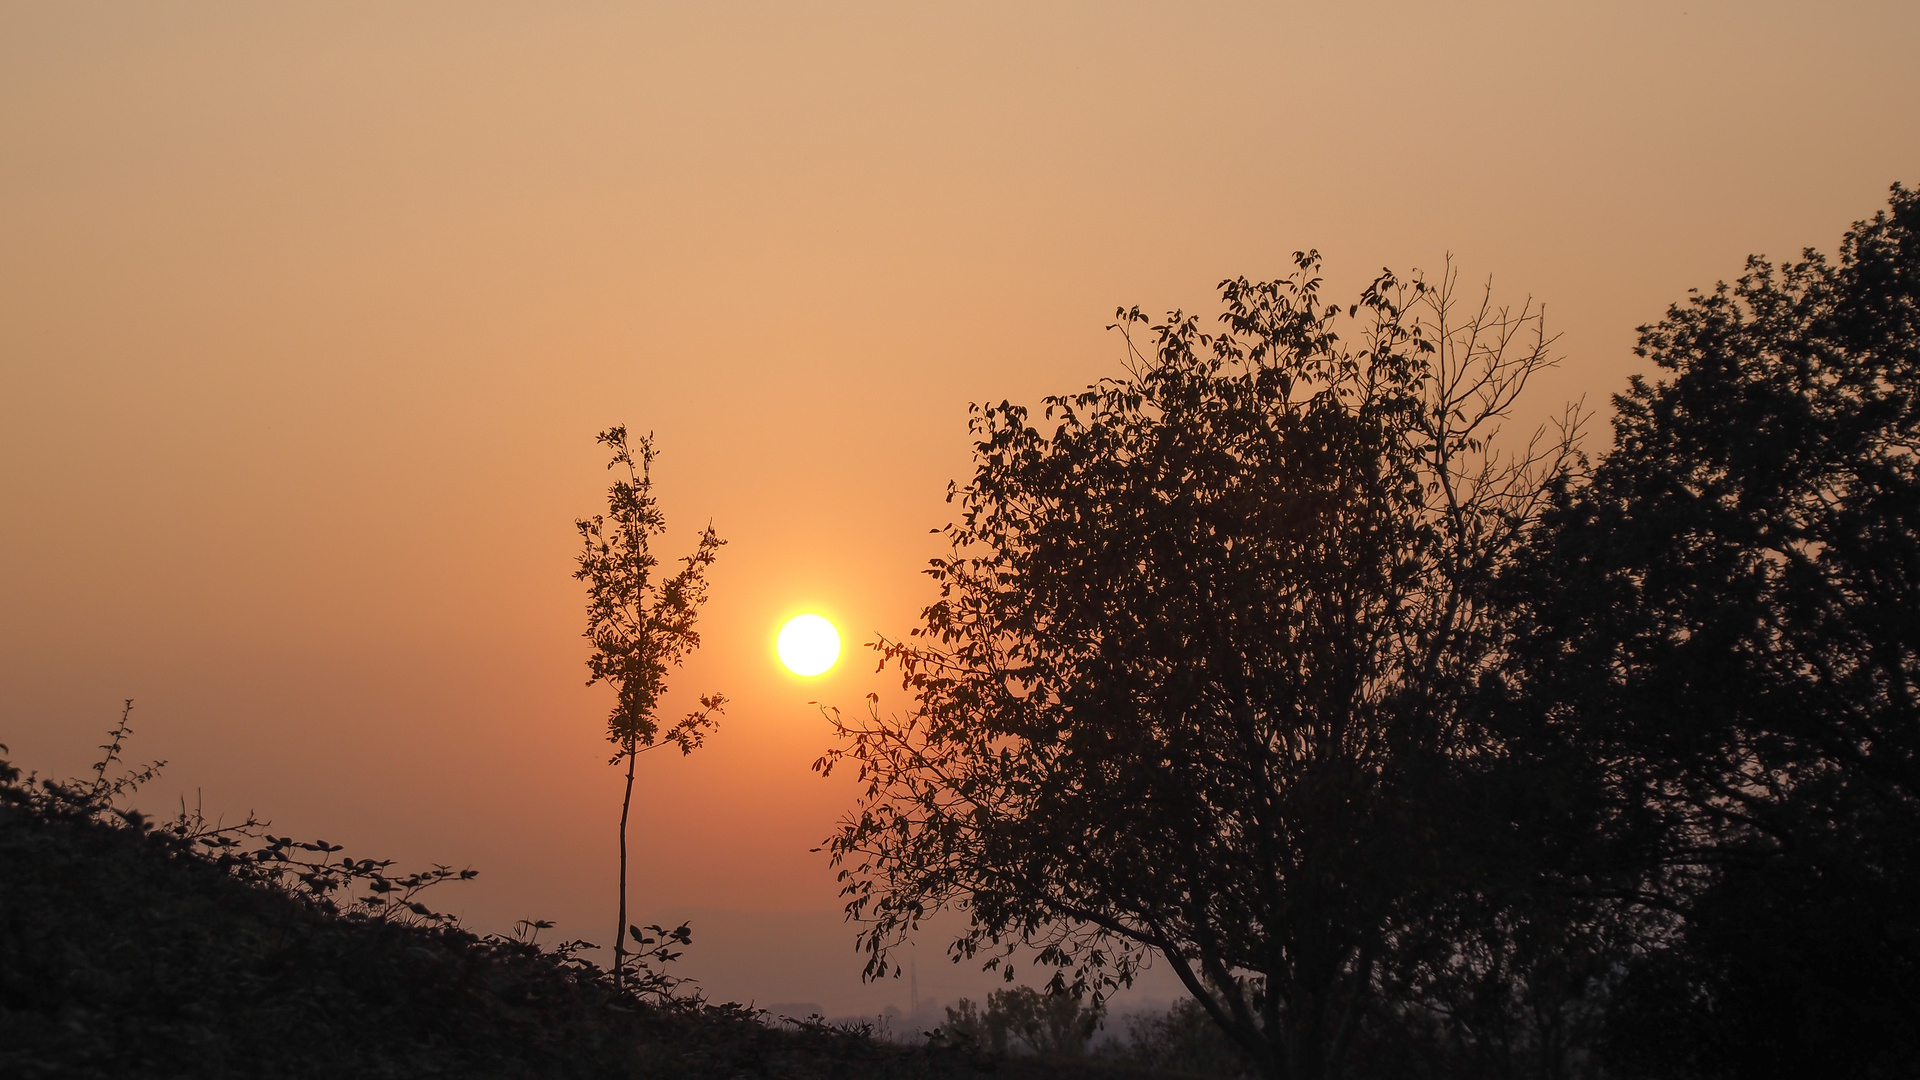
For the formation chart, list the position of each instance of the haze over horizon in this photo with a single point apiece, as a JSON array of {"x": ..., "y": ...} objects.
[{"x": 309, "y": 314}]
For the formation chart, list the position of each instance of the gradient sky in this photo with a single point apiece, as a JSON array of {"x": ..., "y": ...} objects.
[{"x": 309, "y": 314}]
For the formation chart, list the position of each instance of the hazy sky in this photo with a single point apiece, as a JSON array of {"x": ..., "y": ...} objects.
[{"x": 309, "y": 314}]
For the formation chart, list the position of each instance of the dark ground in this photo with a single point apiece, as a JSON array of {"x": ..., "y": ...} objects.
[{"x": 128, "y": 951}]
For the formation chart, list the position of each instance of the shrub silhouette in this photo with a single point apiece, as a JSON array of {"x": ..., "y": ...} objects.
[
  {"x": 135, "y": 947},
  {"x": 1022, "y": 1019}
]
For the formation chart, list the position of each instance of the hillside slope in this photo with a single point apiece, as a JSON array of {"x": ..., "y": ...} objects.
[{"x": 132, "y": 951}]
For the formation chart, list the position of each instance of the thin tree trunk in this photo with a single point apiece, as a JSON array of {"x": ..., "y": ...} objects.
[{"x": 620, "y": 925}]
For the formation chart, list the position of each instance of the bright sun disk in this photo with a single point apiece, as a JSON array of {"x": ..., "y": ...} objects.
[{"x": 808, "y": 645}]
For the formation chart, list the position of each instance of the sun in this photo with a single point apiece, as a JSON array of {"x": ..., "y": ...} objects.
[{"x": 808, "y": 645}]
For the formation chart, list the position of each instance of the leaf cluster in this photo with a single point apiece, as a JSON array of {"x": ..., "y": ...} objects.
[{"x": 641, "y": 626}]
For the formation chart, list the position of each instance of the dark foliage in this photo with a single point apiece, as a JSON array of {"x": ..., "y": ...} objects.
[
  {"x": 1196, "y": 668},
  {"x": 1023, "y": 1020},
  {"x": 188, "y": 949},
  {"x": 1416, "y": 764},
  {"x": 1721, "y": 633},
  {"x": 1184, "y": 1040}
]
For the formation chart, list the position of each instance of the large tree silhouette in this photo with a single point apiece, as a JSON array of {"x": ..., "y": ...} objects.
[
  {"x": 1724, "y": 626},
  {"x": 1198, "y": 649}
]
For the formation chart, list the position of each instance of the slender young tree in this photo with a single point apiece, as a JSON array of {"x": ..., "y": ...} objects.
[{"x": 641, "y": 626}]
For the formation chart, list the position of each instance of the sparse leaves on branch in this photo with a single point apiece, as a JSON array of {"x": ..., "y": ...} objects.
[{"x": 641, "y": 627}]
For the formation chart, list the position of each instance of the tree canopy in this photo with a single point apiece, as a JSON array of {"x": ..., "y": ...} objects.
[
  {"x": 1411, "y": 756},
  {"x": 1725, "y": 623},
  {"x": 1197, "y": 647}
]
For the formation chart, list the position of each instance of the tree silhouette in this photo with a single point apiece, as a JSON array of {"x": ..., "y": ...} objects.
[
  {"x": 1724, "y": 625},
  {"x": 640, "y": 629},
  {"x": 1196, "y": 652}
]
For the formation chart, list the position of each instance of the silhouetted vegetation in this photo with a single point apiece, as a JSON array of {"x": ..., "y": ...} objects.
[
  {"x": 1412, "y": 758},
  {"x": 134, "y": 948},
  {"x": 1720, "y": 637},
  {"x": 1197, "y": 678},
  {"x": 641, "y": 629},
  {"x": 1184, "y": 1040},
  {"x": 1020, "y": 1018}
]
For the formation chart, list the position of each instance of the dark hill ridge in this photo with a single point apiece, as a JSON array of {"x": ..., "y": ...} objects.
[{"x": 129, "y": 951}]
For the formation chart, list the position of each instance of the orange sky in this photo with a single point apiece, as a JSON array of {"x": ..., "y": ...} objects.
[{"x": 309, "y": 314}]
